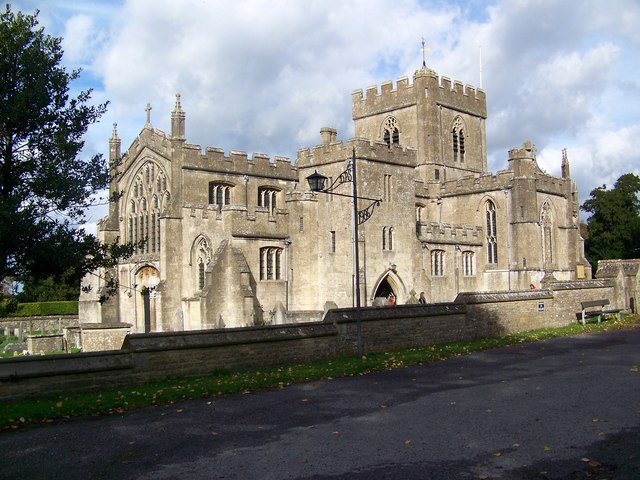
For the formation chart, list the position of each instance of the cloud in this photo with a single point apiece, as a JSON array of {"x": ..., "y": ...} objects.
[{"x": 266, "y": 76}]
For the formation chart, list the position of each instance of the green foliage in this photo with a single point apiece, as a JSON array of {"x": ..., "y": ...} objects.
[
  {"x": 50, "y": 289},
  {"x": 613, "y": 229},
  {"x": 223, "y": 382},
  {"x": 37, "y": 309},
  {"x": 45, "y": 187},
  {"x": 11, "y": 308},
  {"x": 8, "y": 306}
]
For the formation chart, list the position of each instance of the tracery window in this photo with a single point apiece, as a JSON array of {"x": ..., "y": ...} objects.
[
  {"x": 391, "y": 135},
  {"x": 457, "y": 134},
  {"x": 202, "y": 259},
  {"x": 437, "y": 263},
  {"x": 270, "y": 263},
  {"x": 492, "y": 237},
  {"x": 144, "y": 207}
]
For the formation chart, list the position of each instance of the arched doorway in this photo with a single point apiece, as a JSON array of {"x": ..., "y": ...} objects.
[
  {"x": 147, "y": 279},
  {"x": 388, "y": 285}
]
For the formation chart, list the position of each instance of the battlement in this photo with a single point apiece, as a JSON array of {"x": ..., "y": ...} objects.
[
  {"x": 426, "y": 84},
  {"x": 238, "y": 162},
  {"x": 473, "y": 184},
  {"x": 447, "y": 234},
  {"x": 339, "y": 152}
]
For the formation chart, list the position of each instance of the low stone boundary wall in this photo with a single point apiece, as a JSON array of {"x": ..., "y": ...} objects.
[
  {"x": 21, "y": 326},
  {"x": 153, "y": 356}
]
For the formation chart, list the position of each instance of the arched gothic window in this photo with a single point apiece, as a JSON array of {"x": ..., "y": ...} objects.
[
  {"x": 390, "y": 135},
  {"x": 145, "y": 207},
  {"x": 202, "y": 259},
  {"x": 457, "y": 134},
  {"x": 492, "y": 236}
]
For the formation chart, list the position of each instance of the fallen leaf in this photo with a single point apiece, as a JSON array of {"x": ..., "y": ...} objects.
[
  {"x": 594, "y": 463},
  {"x": 335, "y": 433},
  {"x": 497, "y": 454},
  {"x": 601, "y": 434},
  {"x": 407, "y": 442},
  {"x": 547, "y": 449}
]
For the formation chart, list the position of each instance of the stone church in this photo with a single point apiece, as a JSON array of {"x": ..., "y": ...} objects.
[{"x": 234, "y": 240}]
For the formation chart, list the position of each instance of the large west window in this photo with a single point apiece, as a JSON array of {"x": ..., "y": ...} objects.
[{"x": 148, "y": 194}]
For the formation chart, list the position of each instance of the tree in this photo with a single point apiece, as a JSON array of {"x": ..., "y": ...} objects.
[
  {"x": 45, "y": 187},
  {"x": 613, "y": 229}
]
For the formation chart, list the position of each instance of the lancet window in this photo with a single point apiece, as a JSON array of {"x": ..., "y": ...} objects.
[{"x": 492, "y": 240}]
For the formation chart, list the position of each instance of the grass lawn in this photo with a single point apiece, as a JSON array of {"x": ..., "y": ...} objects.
[{"x": 47, "y": 409}]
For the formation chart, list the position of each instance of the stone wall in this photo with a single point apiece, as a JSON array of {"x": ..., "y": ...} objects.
[
  {"x": 21, "y": 326},
  {"x": 154, "y": 356}
]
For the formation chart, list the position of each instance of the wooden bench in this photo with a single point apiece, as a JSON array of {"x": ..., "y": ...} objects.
[{"x": 595, "y": 308}]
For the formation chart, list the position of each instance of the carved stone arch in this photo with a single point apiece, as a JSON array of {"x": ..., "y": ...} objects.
[
  {"x": 390, "y": 131},
  {"x": 388, "y": 282},
  {"x": 201, "y": 244},
  {"x": 147, "y": 278},
  {"x": 458, "y": 124},
  {"x": 547, "y": 211},
  {"x": 482, "y": 202}
]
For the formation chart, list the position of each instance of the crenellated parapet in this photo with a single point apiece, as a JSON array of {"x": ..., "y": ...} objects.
[
  {"x": 477, "y": 184},
  {"x": 427, "y": 86},
  {"x": 366, "y": 149},
  {"x": 237, "y": 162},
  {"x": 448, "y": 234}
]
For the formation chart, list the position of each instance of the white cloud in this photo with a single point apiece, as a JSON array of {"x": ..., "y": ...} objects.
[{"x": 266, "y": 76}]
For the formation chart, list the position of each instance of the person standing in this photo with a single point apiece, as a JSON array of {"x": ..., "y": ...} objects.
[{"x": 422, "y": 299}]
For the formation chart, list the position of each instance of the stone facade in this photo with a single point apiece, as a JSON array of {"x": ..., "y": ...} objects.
[{"x": 236, "y": 240}]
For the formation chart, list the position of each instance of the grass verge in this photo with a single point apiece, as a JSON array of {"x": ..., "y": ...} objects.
[{"x": 47, "y": 409}]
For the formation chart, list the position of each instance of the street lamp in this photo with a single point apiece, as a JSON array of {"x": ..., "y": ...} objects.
[{"x": 317, "y": 184}]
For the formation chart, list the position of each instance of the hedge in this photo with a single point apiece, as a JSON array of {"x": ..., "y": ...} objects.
[{"x": 36, "y": 309}]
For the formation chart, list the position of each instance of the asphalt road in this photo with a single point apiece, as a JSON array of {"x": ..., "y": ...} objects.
[{"x": 567, "y": 408}]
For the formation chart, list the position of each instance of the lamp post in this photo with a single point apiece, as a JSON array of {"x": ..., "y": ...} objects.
[{"x": 317, "y": 184}]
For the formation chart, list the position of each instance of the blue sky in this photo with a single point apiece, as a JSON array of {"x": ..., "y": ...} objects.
[{"x": 265, "y": 75}]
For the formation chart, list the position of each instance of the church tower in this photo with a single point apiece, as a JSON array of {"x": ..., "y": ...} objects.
[{"x": 443, "y": 121}]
